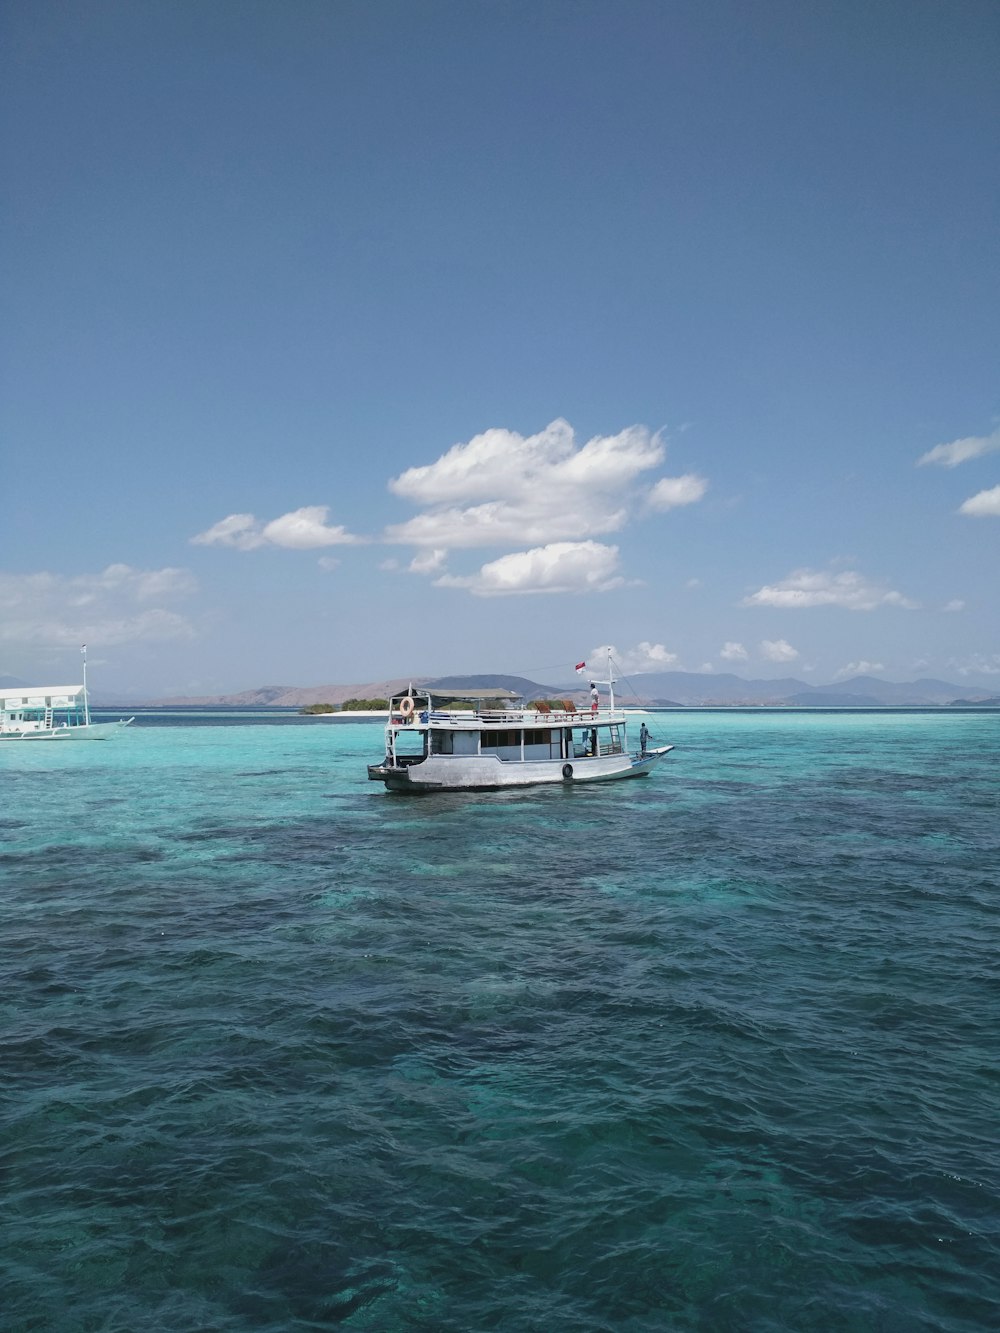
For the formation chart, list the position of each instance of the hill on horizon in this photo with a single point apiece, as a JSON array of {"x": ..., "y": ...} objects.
[
  {"x": 693, "y": 689},
  {"x": 291, "y": 696},
  {"x": 663, "y": 688}
]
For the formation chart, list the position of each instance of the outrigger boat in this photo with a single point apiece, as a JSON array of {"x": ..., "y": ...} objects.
[
  {"x": 53, "y": 713},
  {"x": 445, "y": 740}
]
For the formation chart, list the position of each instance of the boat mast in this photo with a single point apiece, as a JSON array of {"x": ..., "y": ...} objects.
[
  {"x": 86, "y": 703},
  {"x": 610, "y": 682}
]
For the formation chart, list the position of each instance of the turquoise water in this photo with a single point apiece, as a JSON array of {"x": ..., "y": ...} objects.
[{"x": 716, "y": 1050}]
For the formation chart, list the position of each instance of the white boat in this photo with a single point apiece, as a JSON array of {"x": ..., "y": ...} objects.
[
  {"x": 53, "y": 713},
  {"x": 443, "y": 740}
]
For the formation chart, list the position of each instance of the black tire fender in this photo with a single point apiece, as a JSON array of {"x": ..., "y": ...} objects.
[{"x": 567, "y": 771}]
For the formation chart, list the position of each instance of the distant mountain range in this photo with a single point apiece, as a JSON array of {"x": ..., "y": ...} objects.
[
  {"x": 663, "y": 689},
  {"x": 697, "y": 690}
]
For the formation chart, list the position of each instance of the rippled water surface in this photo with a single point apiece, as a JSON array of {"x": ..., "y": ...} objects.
[{"x": 717, "y": 1050}]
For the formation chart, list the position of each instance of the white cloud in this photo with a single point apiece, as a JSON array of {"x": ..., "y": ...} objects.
[
  {"x": 671, "y": 492},
  {"x": 956, "y": 604},
  {"x": 960, "y": 451},
  {"x": 328, "y": 563},
  {"x": 979, "y": 664},
  {"x": 109, "y": 607},
  {"x": 300, "y": 530},
  {"x": 733, "y": 652},
  {"x": 501, "y": 464},
  {"x": 861, "y": 668},
  {"x": 778, "y": 650},
  {"x": 502, "y": 488},
  {"x": 428, "y": 562},
  {"x": 985, "y": 504},
  {"x": 807, "y": 588},
  {"x": 303, "y": 529},
  {"x": 157, "y": 583},
  {"x": 499, "y": 523},
  {"x": 643, "y": 657},
  {"x": 560, "y": 567},
  {"x": 239, "y": 530}
]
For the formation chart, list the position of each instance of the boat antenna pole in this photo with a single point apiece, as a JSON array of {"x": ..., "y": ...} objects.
[
  {"x": 86, "y": 703},
  {"x": 611, "y": 681}
]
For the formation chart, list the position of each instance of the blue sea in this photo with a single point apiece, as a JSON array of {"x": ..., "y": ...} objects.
[{"x": 714, "y": 1050}]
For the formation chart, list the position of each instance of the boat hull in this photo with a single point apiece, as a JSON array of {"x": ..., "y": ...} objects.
[
  {"x": 487, "y": 773},
  {"x": 95, "y": 731}
]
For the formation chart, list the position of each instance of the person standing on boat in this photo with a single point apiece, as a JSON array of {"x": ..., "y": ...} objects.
[
  {"x": 594, "y": 697},
  {"x": 643, "y": 738}
]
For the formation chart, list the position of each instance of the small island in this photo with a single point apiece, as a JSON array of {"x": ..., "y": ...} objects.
[{"x": 348, "y": 706}]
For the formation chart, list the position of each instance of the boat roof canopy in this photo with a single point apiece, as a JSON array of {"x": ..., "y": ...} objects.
[{"x": 41, "y": 696}]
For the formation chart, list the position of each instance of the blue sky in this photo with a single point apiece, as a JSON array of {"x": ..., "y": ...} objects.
[{"x": 348, "y": 340}]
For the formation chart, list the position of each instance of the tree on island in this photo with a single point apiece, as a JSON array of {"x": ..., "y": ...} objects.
[{"x": 349, "y": 706}]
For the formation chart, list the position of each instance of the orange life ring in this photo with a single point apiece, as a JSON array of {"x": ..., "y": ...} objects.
[{"x": 406, "y": 706}]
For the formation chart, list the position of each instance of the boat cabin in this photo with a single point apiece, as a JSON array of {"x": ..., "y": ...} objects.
[{"x": 498, "y": 725}]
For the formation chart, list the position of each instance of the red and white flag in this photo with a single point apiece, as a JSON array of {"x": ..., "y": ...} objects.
[{"x": 579, "y": 668}]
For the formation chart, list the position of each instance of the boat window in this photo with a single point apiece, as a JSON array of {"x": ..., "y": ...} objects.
[
  {"x": 539, "y": 737},
  {"x": 543, "y": 743},
  {"x": 500, "y": 740},
  {"x": 454, "y": 742},
  {"x": 409, "y": 742},
  {"x": 609, "y": 741},
  {"x": 506, "y": 745},
  {"x": 585, "y": 743}
]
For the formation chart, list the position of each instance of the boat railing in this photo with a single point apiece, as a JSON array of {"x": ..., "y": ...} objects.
[
  {"x": 520, "y": 717},
  {"x": 500, "y": 717}
]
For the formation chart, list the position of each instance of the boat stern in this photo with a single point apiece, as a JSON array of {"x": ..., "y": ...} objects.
[{"x": 393, "y": 776}]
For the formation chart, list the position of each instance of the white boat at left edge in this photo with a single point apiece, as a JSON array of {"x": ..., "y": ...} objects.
[{"x": 53, "y": 713}]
